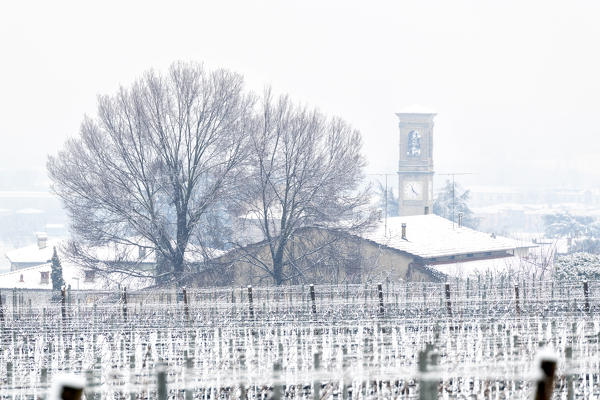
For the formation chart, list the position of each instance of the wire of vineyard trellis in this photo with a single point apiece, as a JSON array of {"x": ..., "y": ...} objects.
[{"x": 486, "y": 339}]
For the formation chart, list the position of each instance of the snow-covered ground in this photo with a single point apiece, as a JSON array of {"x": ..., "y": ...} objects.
[{"x": 484, "y": 342}]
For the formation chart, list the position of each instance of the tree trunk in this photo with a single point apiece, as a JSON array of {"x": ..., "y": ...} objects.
[
  {"x": 182, "y": 238},
  {"x": 278, "y": 266}
]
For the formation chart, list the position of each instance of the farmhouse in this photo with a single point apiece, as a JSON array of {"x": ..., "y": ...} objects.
[{"x": 408, "y": 248}]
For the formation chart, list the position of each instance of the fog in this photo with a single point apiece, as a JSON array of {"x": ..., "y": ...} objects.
[{"x": 514, "y": 84}]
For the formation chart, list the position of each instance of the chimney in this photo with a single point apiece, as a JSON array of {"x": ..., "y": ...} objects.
[
  {"x": 404, "y": 230},
  {"x": 42, "y": 240},
  {"x": 460, "y": 217}
]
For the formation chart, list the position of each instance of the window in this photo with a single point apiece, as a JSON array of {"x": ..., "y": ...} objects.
[
  {"x": 89, "y": 276},
  {"x": 414, "y": 144},
  {"x": 45, "y": 277}
]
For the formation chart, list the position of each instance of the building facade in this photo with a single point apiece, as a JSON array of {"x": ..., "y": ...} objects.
[{"x": 415, "y": 166}]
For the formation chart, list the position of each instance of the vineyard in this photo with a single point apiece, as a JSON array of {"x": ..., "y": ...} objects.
[{"x": 463, "y": 339}]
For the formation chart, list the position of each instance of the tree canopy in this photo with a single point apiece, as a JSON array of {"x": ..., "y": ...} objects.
[
  {"x": 568, "y": 225},
  {"x": 305, "y": 171},
  {"x": 153, "y": 162},
  {"x": 453, "y": 200},
  {"x": 167, "y": 164}
]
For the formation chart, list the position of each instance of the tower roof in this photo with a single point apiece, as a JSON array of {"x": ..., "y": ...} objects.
[{"x": 416, "y": 109}]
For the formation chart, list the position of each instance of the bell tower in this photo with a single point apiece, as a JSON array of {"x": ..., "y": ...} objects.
[{"x": 415, "y": 165}]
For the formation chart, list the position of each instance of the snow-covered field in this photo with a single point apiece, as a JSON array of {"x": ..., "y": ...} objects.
[{"x": 348, "y": 343}]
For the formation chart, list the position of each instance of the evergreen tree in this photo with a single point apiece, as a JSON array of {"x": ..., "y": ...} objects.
[
  {"x": 453, "y": 200},
  {"x": 56, "y": 275}
]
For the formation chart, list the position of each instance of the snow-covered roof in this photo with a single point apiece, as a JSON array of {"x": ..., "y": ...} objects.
[
  {"x": 429, "y": 236},
  {"x": 33, "y": 253},
  {"x": 416, "y": 109},
  {"x": 31, "y": 278},
  {"x": 111, "y": 252}
]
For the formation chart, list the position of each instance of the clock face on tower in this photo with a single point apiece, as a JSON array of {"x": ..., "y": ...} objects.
[{"x": 413, "y": 190}]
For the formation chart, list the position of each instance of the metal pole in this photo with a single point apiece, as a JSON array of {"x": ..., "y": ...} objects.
[{"x": 386, "y": 208}]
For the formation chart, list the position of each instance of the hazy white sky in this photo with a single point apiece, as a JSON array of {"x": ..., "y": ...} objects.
[{"x": 516, "y": 84}]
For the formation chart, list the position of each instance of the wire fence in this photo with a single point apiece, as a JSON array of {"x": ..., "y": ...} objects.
[{"x": 323, "y": 341}]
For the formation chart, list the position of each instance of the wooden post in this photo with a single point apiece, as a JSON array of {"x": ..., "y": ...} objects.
[
  {"x": 545, "y": 384},
  {"x": 189, "y": 364},
  {"x": 124, "y": 298},
  {"x": 380, "y": 292},
  {"x": 1, "y": 309},
  {"x": 250, "y": 303},
  {"x": 186, "y": 308},
  {"x": 63, "y": 307},
  {"x": 448, "y": 302},
  {"x": 586, "y": 295},
  {"x": 517, "y": 307},
  {"x": 427, "y": 388},
  {"x": 9, "y": 367},
  {"x": 316, "y": 380},
  {"x": 161, "y": 381},
  {"x": 69, "y": 389},
  {"x": 312, "y": 299},
  {"x": 570, "y": 391},
  {"x": 277, "y": 389}
]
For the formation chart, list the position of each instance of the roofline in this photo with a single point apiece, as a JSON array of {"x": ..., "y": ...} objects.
[{"x": 467, "y": 260}]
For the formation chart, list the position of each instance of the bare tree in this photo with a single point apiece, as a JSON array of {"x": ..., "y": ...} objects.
[
  {"x": 155, "y": 160},
  {"x": 305, "y": 171}
]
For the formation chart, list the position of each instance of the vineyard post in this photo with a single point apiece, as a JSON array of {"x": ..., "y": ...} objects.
[
  {"x": 44, "y": 376},
  {"x": 586, "y": 294},
  {"x": 14, "y": 303},
  {"x": 189, "y": 363},
  {"x": 345, "y": 368},
  {"x": 380, "y": 292},
  {"x": 316, "y": 381},
  {"x": 277, "y": 389},
  {"x": 89, "y": 384},
  {"x": 186, "y": 308},
  {"x": 124, "y": 298},
  {"x": 250, "y": 303},
  {"x": 9, "y": 367},
  {"x": 1, "y": 310},
  {"x": 448, "y": 302},
  {"x": 161, "y": 381},
  {"x": 63, "y": 309},
  {"x": 545, "y": 384},
  {"x": 569, "y": 356},
  {"x": 427, "y": 388},
  {"x": 312, "y": 299},
  {"x": 69, "y": 389},
  {"x": 517, "y": 308}
]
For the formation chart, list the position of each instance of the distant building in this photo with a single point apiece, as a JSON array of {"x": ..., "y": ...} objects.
[
  {"x": 405, "y": 248},
  {"x": 415, "y": 164},
  {"x": 32, "y": 262},
  {"x": 35, "y": 254},
  {"x": 75, "y": 277}
]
